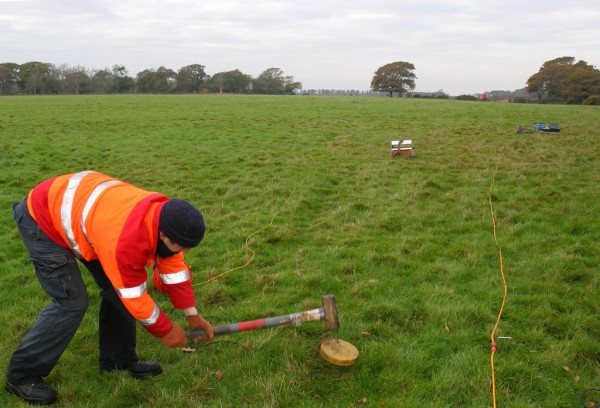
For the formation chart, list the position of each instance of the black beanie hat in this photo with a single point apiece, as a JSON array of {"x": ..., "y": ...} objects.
[{"x": 182, "y": 223}]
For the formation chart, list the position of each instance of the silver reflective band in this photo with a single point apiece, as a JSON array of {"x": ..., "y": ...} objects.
[
  {"x": 175, "y": 278},
  {"x": 67, "y": 206},
  {"x": 91, "y": 200},
  {"x": 152, "y": 319},
  {"x": 131, "y": 293}
]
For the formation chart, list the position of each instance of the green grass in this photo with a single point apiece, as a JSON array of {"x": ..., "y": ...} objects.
[{"x": 406, "y": 245}]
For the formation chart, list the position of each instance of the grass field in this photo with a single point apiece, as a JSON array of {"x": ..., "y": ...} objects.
[{"x": 406, "y": 246}]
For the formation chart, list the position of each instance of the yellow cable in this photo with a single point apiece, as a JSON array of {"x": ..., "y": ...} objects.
[
  {"x": 493, "y": 334},
  {"x": 247, "y": 246}
]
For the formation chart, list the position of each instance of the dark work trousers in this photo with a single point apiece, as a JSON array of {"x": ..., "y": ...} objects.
[
  {"x": 117, "y": 328},
  {"x": 59, "y": 275}
]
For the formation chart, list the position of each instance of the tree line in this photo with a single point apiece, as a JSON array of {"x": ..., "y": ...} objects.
[
  {"x": 41, "y": 78},
  {"x": 562, "y": 80}
]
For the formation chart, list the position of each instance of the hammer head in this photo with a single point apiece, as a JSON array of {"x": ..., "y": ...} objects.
[{"x": 331, "y": 313}]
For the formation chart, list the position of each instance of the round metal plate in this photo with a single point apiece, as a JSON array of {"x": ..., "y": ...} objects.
[{"x": 338, "y": 352}]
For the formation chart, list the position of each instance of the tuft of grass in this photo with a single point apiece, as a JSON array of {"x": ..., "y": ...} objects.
[{"x": 305, "y": 190}]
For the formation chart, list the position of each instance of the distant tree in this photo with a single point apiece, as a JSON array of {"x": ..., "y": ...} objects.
[
  {"x": 230, "y": 82},
  {"x": 76, "y": 80},
  {"x": 123, "y": 83},
  {"x": 273, "y": 81},
  {"x": 35, "y": 77},
  {"x": 160, "y": 81},
  {"x": 9, "y": 78},
  {"x": 582, "y": 83},
  {"x": 564, "y": 80},
  {"x": 190, "y": 78},
  {"x": 291, "y": 86},
  {"x": 394, "y": 77},
  {"x": 102, "y": 81},
  {"x": 144, "y": 81},
  {"x": 547, "y": 82},
  {"x": 164, "y": 80},
  {"x": 184, "y": 81}
]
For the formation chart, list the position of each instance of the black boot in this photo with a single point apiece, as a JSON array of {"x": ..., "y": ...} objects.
[
  {"x": 34, "y": 392},
  {"x": 138, "y": 369}
]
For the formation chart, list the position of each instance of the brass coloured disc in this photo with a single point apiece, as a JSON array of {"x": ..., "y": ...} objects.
[{"x": 338, "y": 352}]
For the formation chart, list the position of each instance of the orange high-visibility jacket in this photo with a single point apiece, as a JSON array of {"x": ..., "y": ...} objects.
[{"x": 101, "y": 218}]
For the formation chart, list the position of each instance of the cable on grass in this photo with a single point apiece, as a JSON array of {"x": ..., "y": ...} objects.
[
  {"x": 493, "y": 333},
  {"x": 248, "y": 246}
]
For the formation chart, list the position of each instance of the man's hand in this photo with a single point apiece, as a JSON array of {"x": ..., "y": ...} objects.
[
  {"x": 175, "y": 337},
  {"x": 197, "y": 322}
]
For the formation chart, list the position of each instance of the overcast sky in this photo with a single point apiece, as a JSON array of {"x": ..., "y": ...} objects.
[{"x": 458, "y": 46}]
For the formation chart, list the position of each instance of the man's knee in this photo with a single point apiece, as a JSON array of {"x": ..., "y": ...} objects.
[{"x": 78, "y": 305}]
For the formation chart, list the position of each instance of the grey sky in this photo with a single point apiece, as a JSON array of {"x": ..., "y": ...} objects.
[{"x": 459, "y": 46}]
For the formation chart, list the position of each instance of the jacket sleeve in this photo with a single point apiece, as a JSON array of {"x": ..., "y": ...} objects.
[
  {"x": 129, "y": 281},
  {"x": 124, "y": 263},
  {"x": 176, "y": 280},
  {"x": 143, "y": 308}
]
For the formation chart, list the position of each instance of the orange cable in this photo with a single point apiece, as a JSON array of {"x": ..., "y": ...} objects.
[
  {"x": 493, "y": 334},
  {"x": 247, "y": 246}
]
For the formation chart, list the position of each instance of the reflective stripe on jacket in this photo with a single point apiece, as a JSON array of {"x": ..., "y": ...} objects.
[
  {"x": 99, "y": 217},
  {"x": 174, "y": 278}
]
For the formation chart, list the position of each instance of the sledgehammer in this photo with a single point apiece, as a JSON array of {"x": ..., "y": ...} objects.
[{"x": 328, "y": 313}]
